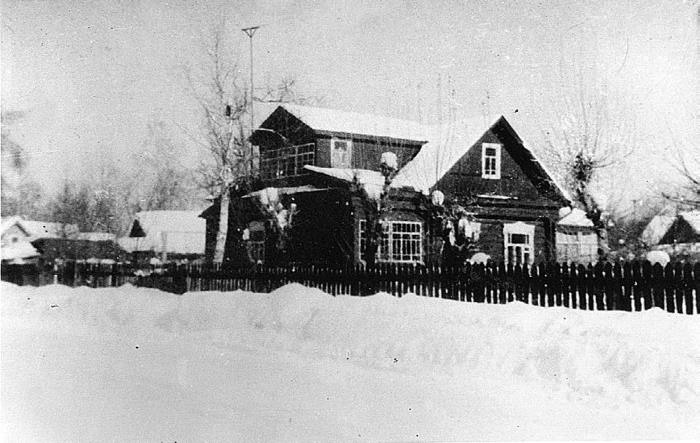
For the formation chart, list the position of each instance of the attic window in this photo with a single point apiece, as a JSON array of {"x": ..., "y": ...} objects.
[
  {"x": 341, "y": 153},
  {"x": 491, "y": 160}
]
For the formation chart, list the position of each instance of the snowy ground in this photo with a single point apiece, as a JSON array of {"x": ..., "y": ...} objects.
[{"x": 130, "y": 364}]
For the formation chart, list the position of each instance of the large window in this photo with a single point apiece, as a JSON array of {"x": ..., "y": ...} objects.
[
  {"x": 519, "y": 239},
  {"x": 491, "y": 160},
  {"x": 286, "y": 162},
  {"x": 577, "y": 247},
  {"x": 400, "y": 241}
]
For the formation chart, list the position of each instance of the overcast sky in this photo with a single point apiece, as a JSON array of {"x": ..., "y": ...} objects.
[{"x": 91, "y": 75}]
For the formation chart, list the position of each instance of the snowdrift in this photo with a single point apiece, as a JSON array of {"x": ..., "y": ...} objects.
[{"x": 618, "y": 358}]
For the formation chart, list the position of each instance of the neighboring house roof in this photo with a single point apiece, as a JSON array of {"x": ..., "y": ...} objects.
[
  {"x": 693, "y": 219},
  {"x": 657, "y": 227},
  {"x": 18, "y": 252},
  {"x": 40, "y": 229},
  {"x": 8, "y": 222},
  {"x": 178, "y": 232},
  {"x": 576, "y": 218},
  {"x": 332, "y": 120},
  {"x": 668, "y": 229}
]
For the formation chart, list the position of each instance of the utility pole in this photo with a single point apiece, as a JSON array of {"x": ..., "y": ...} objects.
[{"x": 250, "y": 32}]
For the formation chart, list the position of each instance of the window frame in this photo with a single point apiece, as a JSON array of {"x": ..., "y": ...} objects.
[
  {"x": 526, "y": 254},
  {"x": 287, "y": 161},
  {"x": 256, "y": 247},
  {"x": 348, "y": 145},
  {"x": 486, "y": 172},
  {"x": 577, "y": 247},
  {"x": 395, "y": 233}
]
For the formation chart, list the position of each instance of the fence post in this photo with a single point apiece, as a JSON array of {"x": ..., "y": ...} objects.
[{"x": 690, "y": 283}]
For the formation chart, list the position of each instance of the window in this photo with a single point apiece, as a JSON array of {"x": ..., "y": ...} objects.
[
  {"x": 256, "y": 242},
  {"x": 286, "y": 162},
  {"x": 341, "y": 153},
  {"x": 577, "y": 247},
  {"x": 400, "y": 241},
  {"x": 491, "y": 160},
  {"x": 519, "y": 243}
]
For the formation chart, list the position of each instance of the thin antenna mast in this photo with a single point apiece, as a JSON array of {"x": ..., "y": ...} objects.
[{"x": 250, "y": 32}]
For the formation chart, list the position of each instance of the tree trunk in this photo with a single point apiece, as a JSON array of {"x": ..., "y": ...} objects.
[{"x": 222, "y": 233}]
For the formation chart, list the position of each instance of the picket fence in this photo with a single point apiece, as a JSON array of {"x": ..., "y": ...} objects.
[{"x": 632, "y": 286}]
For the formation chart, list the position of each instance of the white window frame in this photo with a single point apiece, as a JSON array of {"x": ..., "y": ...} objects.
[
  {"x": 486, "y": 172},
  {"x": 526, "y": 252},
  {"x": 396, "y": 235},
  {"x": 348, "y": 143},
  {"x": 578, "y": 247}
]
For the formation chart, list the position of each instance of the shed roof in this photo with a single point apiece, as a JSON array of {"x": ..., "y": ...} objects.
[
  {"x": 178, "y": 232},
  {"x": 576, "y": 217}
]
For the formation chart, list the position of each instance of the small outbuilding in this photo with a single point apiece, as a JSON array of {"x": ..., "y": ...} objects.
[{"x": 168, "y": 235}]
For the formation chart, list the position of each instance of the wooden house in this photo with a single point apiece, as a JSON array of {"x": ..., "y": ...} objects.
[
  {"x": 679, "y": 236},
  {"x": 465, "y": 190}
]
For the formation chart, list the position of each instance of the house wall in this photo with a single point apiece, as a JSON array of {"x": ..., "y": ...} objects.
[
  {"x": 465, "y": 177},
  {"x": 12, "y": 233},
  {"x": 366, "y": 153}
]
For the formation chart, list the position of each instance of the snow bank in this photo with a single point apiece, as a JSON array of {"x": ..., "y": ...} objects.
[{"x": 598, "y": 357}]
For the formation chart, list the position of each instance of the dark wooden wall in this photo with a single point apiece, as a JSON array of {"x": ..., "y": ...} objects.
[{"x": 366, "y": 152}]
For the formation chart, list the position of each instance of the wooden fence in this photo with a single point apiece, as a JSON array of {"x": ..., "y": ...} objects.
[{"x": 631, "y": 286}]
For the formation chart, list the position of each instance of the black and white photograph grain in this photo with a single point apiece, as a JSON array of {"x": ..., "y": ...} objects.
[{"x": 349, "y": 221}]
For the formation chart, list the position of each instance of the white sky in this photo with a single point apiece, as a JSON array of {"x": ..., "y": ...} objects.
[{"x": 90, "y": 75}]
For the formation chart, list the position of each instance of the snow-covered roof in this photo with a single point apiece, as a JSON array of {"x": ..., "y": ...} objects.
[
  {"x": 178, "y": 232},
  {"x": 96, "y": 236},
  {"x": 332, "y": 120},
  {"x": 8, "y": 222},
  {"x": 362, "y": 176},
  {"x": 285, "y": 190},
  {"x": 576, "y": 217},
  {"x": 39, "y": 229},
  {"x": 447, "y": 144},
  {"x": 692, "y": 218},
  {"x": 18, "y": 252},
  {"x": 656, "y": 229}
]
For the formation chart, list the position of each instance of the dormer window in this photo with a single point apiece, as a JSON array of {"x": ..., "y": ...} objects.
[
  {"x": 341, "y": 153},
  {"x": 491, "y": 160}
]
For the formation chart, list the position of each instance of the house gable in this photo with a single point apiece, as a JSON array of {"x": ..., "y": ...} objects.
[
  {"x": 680, "y": 232},
  {"x": 521, "y": 177}
]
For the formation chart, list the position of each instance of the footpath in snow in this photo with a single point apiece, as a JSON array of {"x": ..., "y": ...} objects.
[{"x": 297, "y": 365}]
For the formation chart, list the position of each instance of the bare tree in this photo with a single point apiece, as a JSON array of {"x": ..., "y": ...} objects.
[
  {"x": 223, "y": 101},
  {"x": 589, "y": 132},
  {"x": 689, "y": 169},
  {"x": 162, "y": 180},
  {"x": 21, "y": 194}
]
